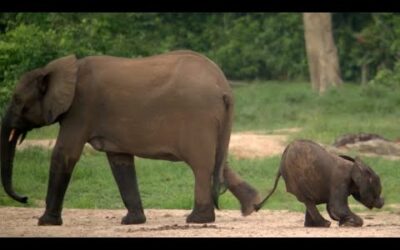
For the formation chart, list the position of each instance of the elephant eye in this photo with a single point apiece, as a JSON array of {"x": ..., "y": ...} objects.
[
  {"x": 24, "y": 109},
  {"x": 17, "y": 100}
]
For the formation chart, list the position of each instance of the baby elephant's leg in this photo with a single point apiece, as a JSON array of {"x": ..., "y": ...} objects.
[
  {"x": 351, "y": 221},
  {"x": 343, "y": 214},
  {"x": 338, "y": 208},
  {"x": 313, "y": 218}
]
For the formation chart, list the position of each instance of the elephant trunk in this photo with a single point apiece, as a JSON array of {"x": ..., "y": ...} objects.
[
  {"x": 379, "y": 202},
  {"x": 9, "y": 137}
]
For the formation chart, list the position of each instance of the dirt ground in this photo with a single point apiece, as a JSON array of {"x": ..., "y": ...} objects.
[
  {"x": 242, "y": 145},
  {"x": 22, "y": 222},
  {"x": 253, "y": 145}
]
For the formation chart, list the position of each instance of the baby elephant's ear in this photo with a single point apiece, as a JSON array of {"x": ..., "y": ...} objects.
[
  {"x": 361, "y": 165},
  {"x": 358, "y": 159},
  {"x": 358, "y": 173},
  {"x": 346, "y": 157}
]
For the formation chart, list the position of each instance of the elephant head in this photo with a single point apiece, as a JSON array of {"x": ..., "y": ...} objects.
[
  {"x": 40, "y": 97},
  {"x": 366, "y": 185}
]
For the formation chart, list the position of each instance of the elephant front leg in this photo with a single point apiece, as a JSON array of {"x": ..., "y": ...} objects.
[
  {"x": 313, "y": 218},
  {"x": 62, "y": 165},
  {"x": 339, "y": 210},
  {"x": 343, "y": 214},
  {"x": 246, "y": 194},
  {"x": 123, "y": 169}
]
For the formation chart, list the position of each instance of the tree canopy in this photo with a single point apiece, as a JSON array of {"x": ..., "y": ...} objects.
[{"x": 247, "y": 46}]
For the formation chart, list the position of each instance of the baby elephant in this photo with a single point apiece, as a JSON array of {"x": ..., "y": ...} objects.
[{"x": 316, "y": 176}]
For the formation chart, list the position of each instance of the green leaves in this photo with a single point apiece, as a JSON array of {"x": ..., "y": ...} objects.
[
  {"x": 247, "y": 46},
  {"x": 21, "y": 49},
  {"x": 387, "y": 78},
  {"x": 371, "y": 39}
]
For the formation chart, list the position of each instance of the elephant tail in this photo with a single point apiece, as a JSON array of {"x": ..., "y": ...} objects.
[
  {"x": 222, "y": 147},
  {"x": 259, "y": 205}
]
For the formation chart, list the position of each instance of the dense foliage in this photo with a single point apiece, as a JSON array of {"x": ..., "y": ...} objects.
[{"x": 247, "y": 46}]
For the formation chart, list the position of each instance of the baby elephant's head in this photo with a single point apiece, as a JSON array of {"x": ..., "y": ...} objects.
[{"x": 366, "y": 186}]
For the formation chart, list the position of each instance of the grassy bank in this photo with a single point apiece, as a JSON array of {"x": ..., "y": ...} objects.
[{"x": 350, "y": 109}]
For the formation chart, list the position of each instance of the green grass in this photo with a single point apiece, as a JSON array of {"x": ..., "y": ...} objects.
[
  {"x": 350, "y": 109},
  {"x": 49, "y": 132},
  {"x": 263, "y": 107},
  {"x": 162, "y": 184},
  {"x": 92, "y": 184}
]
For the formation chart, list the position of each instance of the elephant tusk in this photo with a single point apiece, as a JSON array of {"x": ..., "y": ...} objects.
[
  {"x": 11, "y": 135},
  {"x": 21, "y": 138}
]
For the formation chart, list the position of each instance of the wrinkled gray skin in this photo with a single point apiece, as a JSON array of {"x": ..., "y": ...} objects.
[
  {"x": 176, "y": 106},
  {"x": 316, "y": 176}
]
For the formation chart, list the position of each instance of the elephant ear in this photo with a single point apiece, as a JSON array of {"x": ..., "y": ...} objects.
[
  {"x": 359, "y": 174},
  {"x": 58, "y": 84},
  {"x": 346, "y": 157}
]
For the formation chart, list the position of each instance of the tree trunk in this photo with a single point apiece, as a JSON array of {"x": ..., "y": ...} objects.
[
  {"x": 364, "y": 74},
  {"x": 322, "y": 55}
]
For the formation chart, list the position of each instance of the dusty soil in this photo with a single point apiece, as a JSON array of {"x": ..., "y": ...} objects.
[
  {"x": 22, "y": 222},
  {"x": 253, "y": 145},
  {"x": 242, "y": 145}
]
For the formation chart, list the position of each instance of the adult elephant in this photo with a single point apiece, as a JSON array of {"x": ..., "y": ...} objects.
[{"x": 175, "y": 106}]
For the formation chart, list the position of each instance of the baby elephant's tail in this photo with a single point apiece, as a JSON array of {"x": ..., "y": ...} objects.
[{"x": 259, "y": 205}]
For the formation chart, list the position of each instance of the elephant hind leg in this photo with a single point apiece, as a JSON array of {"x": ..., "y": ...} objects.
[
  {"x": 313, "y": 218},
  {"x": 246, "y": 194},
  {"x": 203, "y": 211},
  {"x": 123, "y": 169}
]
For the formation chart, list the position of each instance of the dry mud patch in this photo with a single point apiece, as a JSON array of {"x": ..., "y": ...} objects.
[
  {"x": 22, "y": 222},
  {"x": 249, "y": 144}
]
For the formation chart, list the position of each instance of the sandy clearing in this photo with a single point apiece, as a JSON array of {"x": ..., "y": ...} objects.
[{"x": 21, "y": 222}]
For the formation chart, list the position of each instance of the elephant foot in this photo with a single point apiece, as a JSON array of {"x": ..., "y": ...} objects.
[
  {"x": 324, "y": 223},
  {"x": 202, "y": 214},
  {"x": 50, "y": 220},
  {"x": 351, "y": 222},
  {"x": 247, "y": 196},
  {"x": 133, "y": 218}
]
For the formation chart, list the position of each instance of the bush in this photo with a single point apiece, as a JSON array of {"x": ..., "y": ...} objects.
[
  {"x": 23, "y": 49},
  {"x": 387, "y": 78},
  {"x": 247, "y": 46}
]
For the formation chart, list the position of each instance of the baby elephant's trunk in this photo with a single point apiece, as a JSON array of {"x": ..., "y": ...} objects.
[
  {"x": 379, "y": 203},
  {"x": 258, "y": 206}
]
